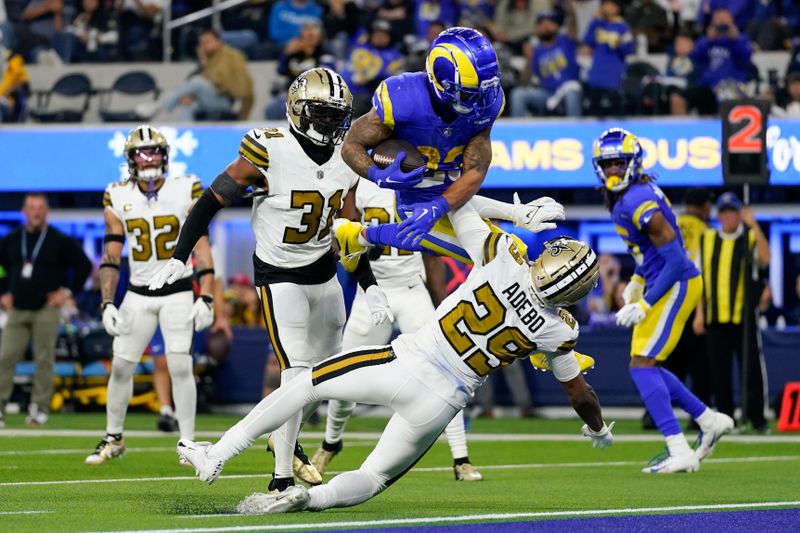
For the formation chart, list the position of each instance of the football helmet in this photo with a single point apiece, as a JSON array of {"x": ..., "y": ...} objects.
[
  {"x": 617, "y": 159},
  {"x": 320, "y": 106},
  {"x": 564, "y": 272},
  {"x": 463, "y": 71},
  {"x": 143, "y": 148}
]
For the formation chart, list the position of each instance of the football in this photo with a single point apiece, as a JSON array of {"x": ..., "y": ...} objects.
[{"x": 385, "y": 152}]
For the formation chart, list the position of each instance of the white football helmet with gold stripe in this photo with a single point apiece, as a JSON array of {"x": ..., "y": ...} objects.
[
  {"x": 147, "y": 153},
  {"x": 320, "y": 106}
]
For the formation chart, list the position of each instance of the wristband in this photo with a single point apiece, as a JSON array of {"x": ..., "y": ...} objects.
[
  {"x": 109, "y": 265},
  {"x": 105, "y": 304},
  {"x": 207, "y": 299},
  {"x": 204, "y": 272}
]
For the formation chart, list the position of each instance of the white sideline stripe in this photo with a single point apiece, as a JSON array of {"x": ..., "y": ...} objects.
[
  {"x": 772, "y": 458},
  {"x": 8, "y": 513},
  {"x": 476, "y": 437},
  {"x": 474, "y": 517},
  {"x": 80, "y": 450}
]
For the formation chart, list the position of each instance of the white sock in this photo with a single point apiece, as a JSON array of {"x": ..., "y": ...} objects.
[
  {"x": 120, "y": 390},
  {"x": 184, "y": 392},
  {"x": 457, "y": 436},
  {"x": 677, "y": 445},
  {"x": 284, "y": 437},
  {"x": 166, "y": 410},
  {"x": 338, "y": 414},
  {"x": 346, "y": 489},
  {"x": 706, "y": 420},
  {"x": 233, "y": 442}
]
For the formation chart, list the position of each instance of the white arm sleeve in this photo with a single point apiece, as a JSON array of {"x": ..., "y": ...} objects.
[
  {"x": 471, "y": 230},
  {"x": 490, "y": 208},
  {"x": 564, "y": 366}
]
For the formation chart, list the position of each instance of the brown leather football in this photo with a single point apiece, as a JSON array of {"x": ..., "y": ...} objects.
[{"x": 385, "y": 152}]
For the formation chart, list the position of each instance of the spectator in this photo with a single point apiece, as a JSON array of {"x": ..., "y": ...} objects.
[
  {"x": 36, "y": 258},
  {"x": 302, "y": 53},
  {"x": 791, "y": 109},
  {"x": 514, "y": 20},
  {"x": 139, "y": 29},
  {"x": 398, "y": 14},
  {"x": 553, "y": 64},
  {"x": 721, "y": 57},
  {"x": 340, "y": 24},
  {"x": 740, "y": 10},
  {"x": 13, "y": 86},
  {"x": 475, "y": 13},
  {"x": 602, "y": 298},
  {"x": 679, "y": 75},
  {"x": 610, "y": 41},
  {"x": 646, "y": 17},
  {"x": 774, "y": 23},
  {"x": 91, "y": 36},
  {"x": 372, "y": 60},
  {"x": 223, "y": 79},
  {"x": 428, "y": 11},
  {"x": 418, "y": 48},
  {"x": 729, "y": 307},
  {"x": 579, "y": 14},
  {"x": 288, "y": 17},
  {"x": 37, "y": 27}
]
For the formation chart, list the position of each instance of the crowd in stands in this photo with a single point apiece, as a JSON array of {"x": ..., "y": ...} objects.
[{"x": 559, "y": 57}]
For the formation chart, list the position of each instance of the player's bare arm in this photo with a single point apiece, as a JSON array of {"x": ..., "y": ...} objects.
[
  {"x": 349, "y": 210},
  {"x": 584, "y": 401},
  {"x": 435, "y": 271},
  {"x": 204, "y": 266},
  {"x": 112, "y": 255},
  {"x": 366, "y": 132},
  {"x": 477, "y": 158}
]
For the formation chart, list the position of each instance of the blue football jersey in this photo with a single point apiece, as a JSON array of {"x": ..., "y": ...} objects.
[
  {"x": 631, "y": 214},
  {"x": 403, "y": 103}
]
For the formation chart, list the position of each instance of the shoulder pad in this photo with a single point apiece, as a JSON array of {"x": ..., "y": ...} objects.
[{"x": 253, "y": 146}]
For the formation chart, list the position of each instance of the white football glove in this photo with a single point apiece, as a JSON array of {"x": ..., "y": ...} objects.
[
  {"x": 634, "y": 291},
  {"x": 170, "y": 273},
  {"x": 378, "y": 305},
  {"x": 202, "y": 313},
  {"x": 112, "y": 320},
  {"x": 600, "y": 439},
  {"x": 632, "y": 314},
  {"x": 536, "y": 215}
]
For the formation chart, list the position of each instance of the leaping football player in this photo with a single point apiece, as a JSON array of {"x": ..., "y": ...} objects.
[
  {"x": 399, "y": 274},
  {"x": 299, "y": 183},
  {"x": 506, "y": 309},
  {"x": 150, "y": 209},
  {"x": 664, "y": 290}
]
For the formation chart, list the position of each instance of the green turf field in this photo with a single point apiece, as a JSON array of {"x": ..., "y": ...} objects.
[{"x": 532, "y": 469}]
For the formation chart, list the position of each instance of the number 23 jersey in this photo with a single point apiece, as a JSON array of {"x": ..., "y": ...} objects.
[
  {"x": 152, "y": 226},
  {"x": 292, "y": 221},
  {"x": 492, "y": 319}
]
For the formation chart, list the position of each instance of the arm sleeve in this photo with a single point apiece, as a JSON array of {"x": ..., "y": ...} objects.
[
  {"x": 674, "y": 260},
  {"x": 564, "y": 366},
  {"x": 741, "y": 51},
  {"x": 472, "y": 232},
  {"x": 196, "y": 225},
  {"x": 627, "y": 45},
  {"x": 77, "y": 258},
  {"x": 363, "y": 273},
  {"x": 588, "y": 38},
  {"x": 643, "y": 213}
]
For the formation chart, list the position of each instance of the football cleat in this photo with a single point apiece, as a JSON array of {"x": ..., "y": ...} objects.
[
  {"x": 351, "y": 243},
  {"x": 664, "y": 463},
  {"x": 279, "y": 484},
  {"x": 301, "y": 466},
  {"x": 467, "y": 472},
  {"x": 324, "y": 455},
  {"x": 167, "y": 424},
  {"x": 36, "y": 418},
  {"x": 540, "y": 362},
  {"x": 109, "y": 448},
  {"x": 708, "y": 439},
  {"x": 196, "y": 455},
  {"x": 293, "y": 499}
]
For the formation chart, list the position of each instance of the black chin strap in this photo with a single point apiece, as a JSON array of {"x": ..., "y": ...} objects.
[{"x": 319, "y": 154}]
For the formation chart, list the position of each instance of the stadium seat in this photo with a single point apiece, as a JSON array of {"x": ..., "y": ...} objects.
[
  {"x": 131, "y": 87},
  {"x": 75, "y": 88}
]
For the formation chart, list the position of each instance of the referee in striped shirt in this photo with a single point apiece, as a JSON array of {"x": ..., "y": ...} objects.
[{"x": 731, "y": 288}]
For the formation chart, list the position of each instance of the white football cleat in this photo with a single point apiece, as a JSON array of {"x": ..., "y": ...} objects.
[
  {"x": 708, "y": 439},
  {"x": 109, "y": 448},
  {"x": 671, "y": 464},
  {"x": 196, "y": 455},
  {"x": 295, "y": 498},
  {"x": 467, "y": 472}
]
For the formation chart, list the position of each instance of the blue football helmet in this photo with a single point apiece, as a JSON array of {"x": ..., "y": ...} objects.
[
  {"x": 463, "y": 71},
  {"x": 617, "y": 159}
]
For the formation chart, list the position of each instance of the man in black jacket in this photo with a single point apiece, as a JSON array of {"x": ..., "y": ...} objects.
[{"x": 35, "y": 260}]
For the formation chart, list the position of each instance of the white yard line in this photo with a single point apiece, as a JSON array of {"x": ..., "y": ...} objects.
[
  {"x": 9, "y": 513},
  {"x": 596, "y": 464},
  {"x": 477, "y": 517},
  {"x": 476, "y": 437}
]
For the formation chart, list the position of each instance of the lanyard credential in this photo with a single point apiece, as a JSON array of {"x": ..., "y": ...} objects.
[{"x": 27, "y": 265}]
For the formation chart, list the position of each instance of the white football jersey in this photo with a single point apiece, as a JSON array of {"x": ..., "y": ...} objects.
[
  {"x": 151, "y": 226},
  {"x": 292, "y": 221},
  {"x": 394, "y": 268},
  {"x": 492, "y": 319}
]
